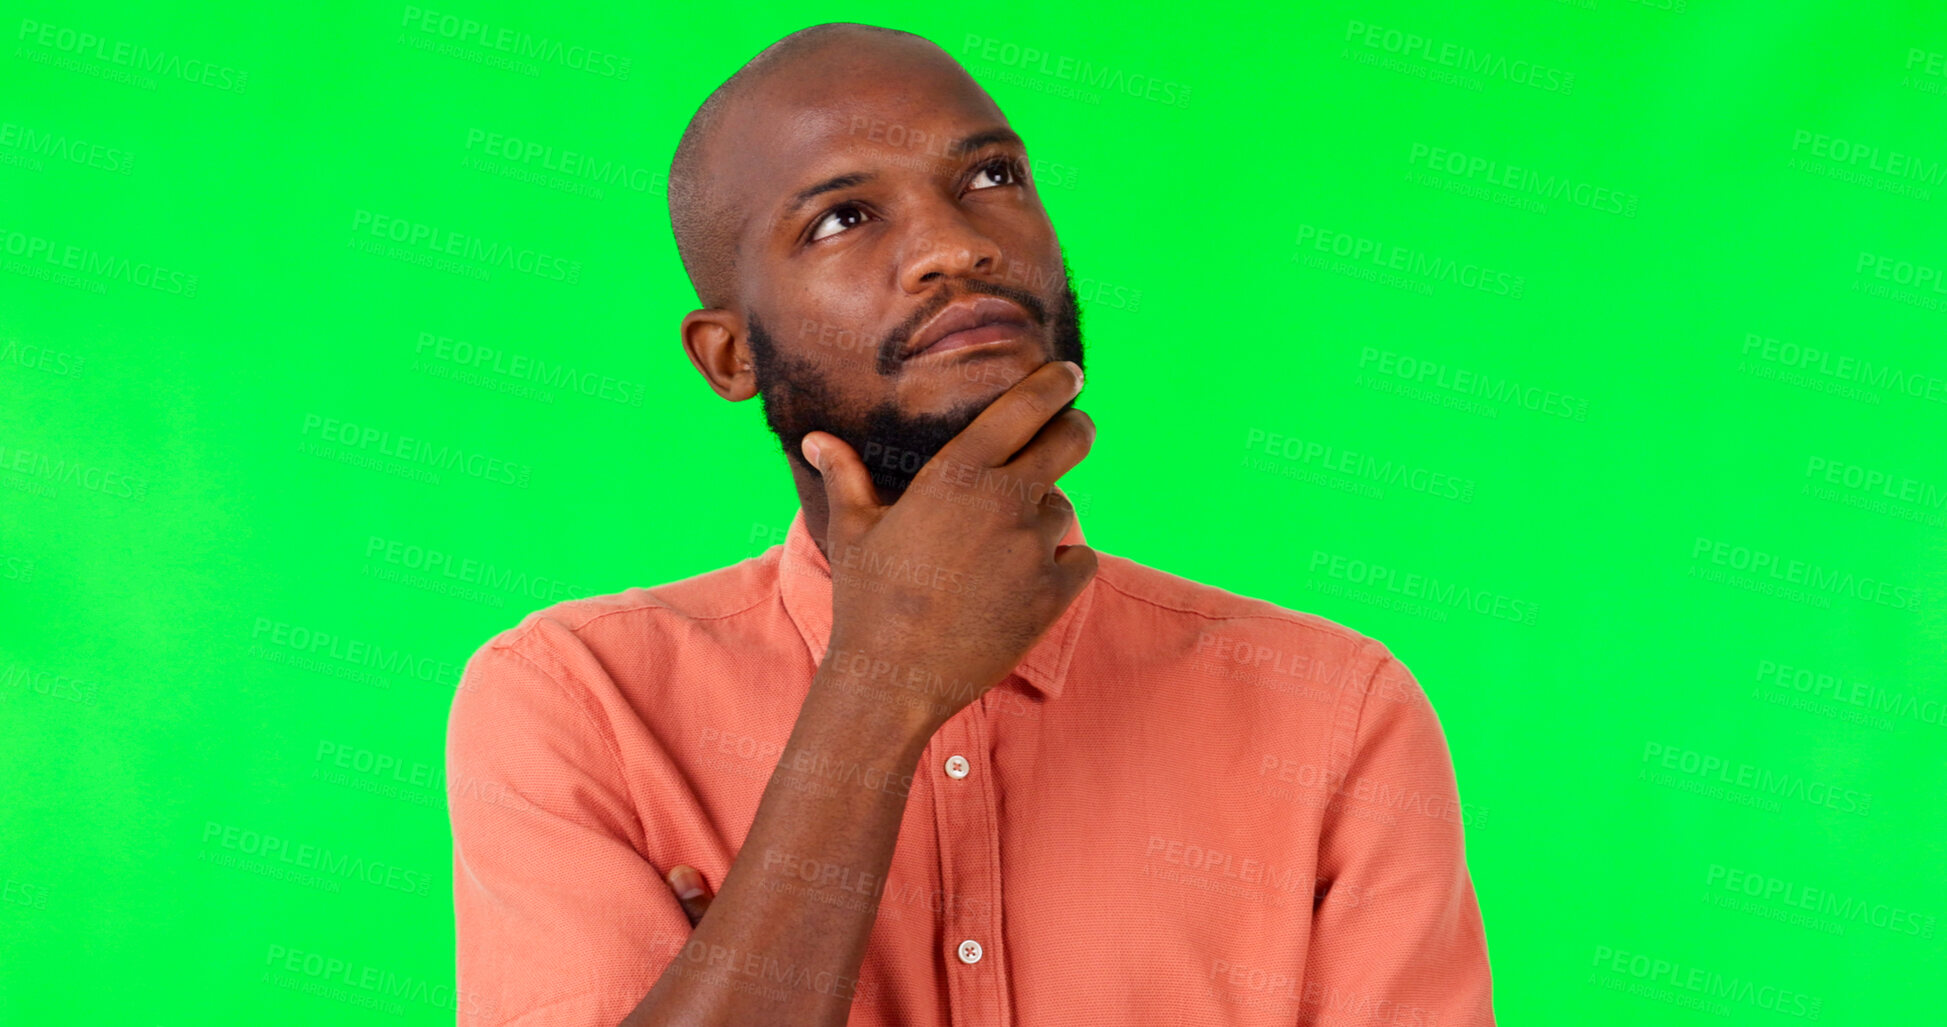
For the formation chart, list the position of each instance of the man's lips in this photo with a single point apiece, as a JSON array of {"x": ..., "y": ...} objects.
[
  {"x": 995, "y": 332},
  {"x": 968, "y": 323}
]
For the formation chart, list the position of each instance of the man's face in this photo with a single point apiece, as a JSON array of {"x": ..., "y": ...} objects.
[{"x": 880, "y": 189}]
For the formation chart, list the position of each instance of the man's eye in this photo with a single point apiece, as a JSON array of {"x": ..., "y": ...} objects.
[
  {"x": 850, "y": 214},
  {"x": 1001, "y": 169}
]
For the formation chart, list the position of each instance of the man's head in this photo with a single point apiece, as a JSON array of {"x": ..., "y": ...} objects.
[{"x": 849, "y": 195}]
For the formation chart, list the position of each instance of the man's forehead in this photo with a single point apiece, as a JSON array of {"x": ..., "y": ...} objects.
[
  {"x": 822, "y": 139},
  {"x": 812, "y": 126}
]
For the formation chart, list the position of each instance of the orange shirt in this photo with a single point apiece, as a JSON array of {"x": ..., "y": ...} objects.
[{"x": 1184, "y": 807}]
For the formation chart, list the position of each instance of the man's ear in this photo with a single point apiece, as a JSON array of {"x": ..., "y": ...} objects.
[{"x": 716, "y": 344}]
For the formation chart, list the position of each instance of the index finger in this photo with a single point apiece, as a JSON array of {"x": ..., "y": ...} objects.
[{"x": 1014, "y": 419}]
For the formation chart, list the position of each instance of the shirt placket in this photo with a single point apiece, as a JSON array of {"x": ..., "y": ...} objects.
[{"x": 965, "y": 811}]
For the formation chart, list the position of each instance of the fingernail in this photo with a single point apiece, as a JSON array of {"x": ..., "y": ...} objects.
[
  {"x": 810, "y": 449},
  {"x": 1078, "y": 373},
  {"x": 685, "y": 882}
]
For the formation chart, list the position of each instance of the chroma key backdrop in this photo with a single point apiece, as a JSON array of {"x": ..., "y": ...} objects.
[{"x": 1590, "y": 354}]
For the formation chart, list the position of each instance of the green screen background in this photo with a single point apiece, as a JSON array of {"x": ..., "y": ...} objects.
[{"x": 1638, "y": 401}]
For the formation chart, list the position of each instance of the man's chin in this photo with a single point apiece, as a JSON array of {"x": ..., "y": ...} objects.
[{"x": 894, "y": 444}]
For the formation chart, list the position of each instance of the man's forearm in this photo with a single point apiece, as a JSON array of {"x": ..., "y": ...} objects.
[{"x": 787, "y": 930}]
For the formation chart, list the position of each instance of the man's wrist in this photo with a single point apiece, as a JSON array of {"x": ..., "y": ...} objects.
[{"x": 896, "y": 699}]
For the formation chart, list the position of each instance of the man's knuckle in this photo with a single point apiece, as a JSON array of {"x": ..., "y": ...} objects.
[
  {"x": 1042, "y": 404},
  {"x": 1078, "y": 432}
]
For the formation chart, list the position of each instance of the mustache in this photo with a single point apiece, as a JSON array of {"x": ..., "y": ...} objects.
[{"x": 895, "y": 341}]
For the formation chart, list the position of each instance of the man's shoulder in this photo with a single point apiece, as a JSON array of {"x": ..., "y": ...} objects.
[
  {"x": 1167, "y": 618},
  {"x": 576, "y": 669},
  {"x": 1209, "y": 608},
  {"x": 1212, "y": 635},
  {"x": 644, "y": 612}
]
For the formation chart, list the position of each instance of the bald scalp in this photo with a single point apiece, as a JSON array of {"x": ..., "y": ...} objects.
[{"x": 704, "y": 219}]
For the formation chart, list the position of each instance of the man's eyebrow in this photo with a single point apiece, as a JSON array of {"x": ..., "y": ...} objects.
[
  {"x": 962, "y": 145},
  {"x": 980, "y": 139},
  {"x": 832, "y": 184}
]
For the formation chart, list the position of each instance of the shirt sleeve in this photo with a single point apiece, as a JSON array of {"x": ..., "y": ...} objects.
[
  {"x": 1397, "y": 937},
  {"x": 560, "y": 920}
]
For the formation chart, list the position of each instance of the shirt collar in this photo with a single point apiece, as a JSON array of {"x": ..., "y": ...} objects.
[{"x": 805, "y": 583}]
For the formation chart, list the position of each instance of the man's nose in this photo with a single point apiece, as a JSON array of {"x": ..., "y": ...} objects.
[{"x": 946, "y": 244}]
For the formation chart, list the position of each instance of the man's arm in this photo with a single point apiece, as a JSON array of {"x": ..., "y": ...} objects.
[
  {"x": 766, "y": 927},
  {"x": 1396, "y": 935},
  {"x": 558, "y": 917},
  {"x": 997, "y": 578}
]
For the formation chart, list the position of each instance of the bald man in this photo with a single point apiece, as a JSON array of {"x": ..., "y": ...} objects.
[{"x": 934, "y": 760}]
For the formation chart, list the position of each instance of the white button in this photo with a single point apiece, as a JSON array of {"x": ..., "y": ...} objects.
[
  {"x": 970, "y": 951},
  {"x": 956, "y": 768}
]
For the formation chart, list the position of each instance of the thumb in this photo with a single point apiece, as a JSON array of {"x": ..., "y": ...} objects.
[{"x": 848, "y": 486}]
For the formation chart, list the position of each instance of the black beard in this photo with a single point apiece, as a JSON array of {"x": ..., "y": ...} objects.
[{"x": 894, "y": 446}]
